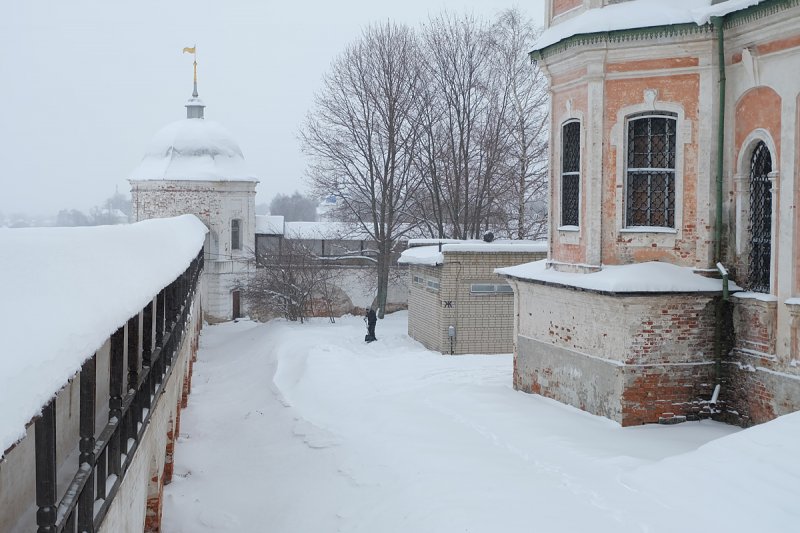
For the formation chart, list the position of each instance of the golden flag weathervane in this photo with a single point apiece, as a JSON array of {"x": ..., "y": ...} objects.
[{"x": 192, "y": 50}]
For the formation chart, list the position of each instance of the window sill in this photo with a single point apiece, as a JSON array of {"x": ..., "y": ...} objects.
[
  {"x": 569, "y": 228},
  {"x": 649, "y": 229}
]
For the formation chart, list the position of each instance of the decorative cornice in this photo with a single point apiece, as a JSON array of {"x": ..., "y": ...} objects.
[
  {"x": 758, "y": 11},
  {"x": 732, "y": 20},
  {"x": 622, "y": 36}
]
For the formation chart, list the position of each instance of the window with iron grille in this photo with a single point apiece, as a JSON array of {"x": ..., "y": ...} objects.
[
  {"x": 650, "y": 185},
  {"x": 760, "y": 219},
  {"x": 570, "y": 173}
]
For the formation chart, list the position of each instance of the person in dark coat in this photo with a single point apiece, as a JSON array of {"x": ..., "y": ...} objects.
[{"x": 371, "y": 320}]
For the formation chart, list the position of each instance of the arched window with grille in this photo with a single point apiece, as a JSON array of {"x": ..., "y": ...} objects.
[
  {"x": 570, "y": 173},
  {"x": 760, "y": 225},
  {"x": 650, "y": 170}
]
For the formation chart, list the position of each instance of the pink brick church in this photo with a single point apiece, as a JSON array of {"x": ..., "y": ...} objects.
[{"x": 671, "y": 289}]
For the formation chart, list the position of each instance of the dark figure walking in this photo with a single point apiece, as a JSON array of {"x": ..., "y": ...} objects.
[{"x": 371, "y": 319}]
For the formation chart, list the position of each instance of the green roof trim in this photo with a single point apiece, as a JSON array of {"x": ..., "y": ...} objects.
[
  {"x": 619, "y": 36},
  {"x": 761, "y": 10},
  {"x": 734, "y": 19}
]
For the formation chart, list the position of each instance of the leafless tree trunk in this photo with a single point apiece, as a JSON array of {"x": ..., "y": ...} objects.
[
  {"x": 286, "y": 283},
  {"x": 362, "y": 133}
]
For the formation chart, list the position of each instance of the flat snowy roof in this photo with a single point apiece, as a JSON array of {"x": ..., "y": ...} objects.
[
  {"x": 269, "y": 224},
  {"x": 431, "y": 256},
  {"x": 66, "y": 290},
  {"x": 639, "y": 14},
  {"x": 421, "y": 255},
  {"x": 652, "y": 277}
]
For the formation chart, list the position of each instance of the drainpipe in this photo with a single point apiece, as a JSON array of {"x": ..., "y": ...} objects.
[
  {"x": 718, "y": 23},
  {"x": 718, "y": 26}
]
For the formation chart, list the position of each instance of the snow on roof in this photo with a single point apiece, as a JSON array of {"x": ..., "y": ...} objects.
[
  {"x": 193, "y": 149},
  {"x": 639, "y": 14},
  {"x": 428, "y": 242},
  {"x": 520, "y": 246},
  {"x": 269, "y": 224},
  {"x": 325, "y": 230},
  {"x": 432, "y": 256},
  {"x": 760, "y": 296},
  {"x": 421, "y": 255},
  {"x": 638, "y": 277},
  {"x": 66, "y": 290}
]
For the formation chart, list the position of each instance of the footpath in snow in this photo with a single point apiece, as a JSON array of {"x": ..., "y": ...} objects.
[{"x": 304, "y": 428}]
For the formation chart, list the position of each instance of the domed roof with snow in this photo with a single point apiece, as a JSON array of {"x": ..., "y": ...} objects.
[{"x": 193, "y": 149}]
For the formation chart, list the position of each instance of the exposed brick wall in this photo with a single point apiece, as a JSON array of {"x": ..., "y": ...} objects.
[
  {"x": 621, "y": 248},
  {"x": 155, "y": 498},
  {"x": 654, "y": 64},
  {"x": 566, "y": 251},
  {"x": 663, "y": 393},
  {"x": 169, "y": 453},
  {"x": 636, "y": 359},
  {"x": 216, "y": 203},
  {"x": 755, "y": 322},
  {"x": 753, "y": 393},
  {"x": 758, "y": 108},
  {"x": 562, "y": 6},
  {"x": 761, "y": 381}
]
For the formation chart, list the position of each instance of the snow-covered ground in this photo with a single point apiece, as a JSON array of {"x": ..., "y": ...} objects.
[{"x": 305, "y": 428}]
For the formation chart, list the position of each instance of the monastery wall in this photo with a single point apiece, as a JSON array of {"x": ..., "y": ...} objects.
[{"x": 138, "y": 503}]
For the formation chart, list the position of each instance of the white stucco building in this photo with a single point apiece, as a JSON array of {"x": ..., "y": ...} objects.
[{"x": 195, "y": 166}]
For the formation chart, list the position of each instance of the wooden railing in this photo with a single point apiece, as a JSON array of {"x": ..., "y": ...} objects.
[{"x": 104, "y": 459}]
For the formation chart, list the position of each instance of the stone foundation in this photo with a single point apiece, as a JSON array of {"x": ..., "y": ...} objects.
[{"x": 635, "y": 359}]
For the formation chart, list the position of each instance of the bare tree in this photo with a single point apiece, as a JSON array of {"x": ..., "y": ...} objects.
[
  {"x": 361, "y": 136},
  {"x": 482, "y": 144},
  {"x": 454, "y": 113},
  {"x": 287, "y": 283},
  {"x": 525, "y": 120}
]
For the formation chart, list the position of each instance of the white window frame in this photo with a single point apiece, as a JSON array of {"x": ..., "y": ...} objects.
[
  {"x": 490, "y": 288},
  {"x": 646, "y": 235},
  {"x": 668, "y": 115}
]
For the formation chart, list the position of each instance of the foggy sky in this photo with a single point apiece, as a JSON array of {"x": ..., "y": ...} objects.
[{"x": 85, "y": 84}]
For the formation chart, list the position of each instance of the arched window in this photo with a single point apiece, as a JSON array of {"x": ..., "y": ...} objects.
[
  {"x": 650, "y": 173},
  {"x": 570, "y": 173},
  {"x": 236, "y": 234},
  {"x": 760, "y": 219}
]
